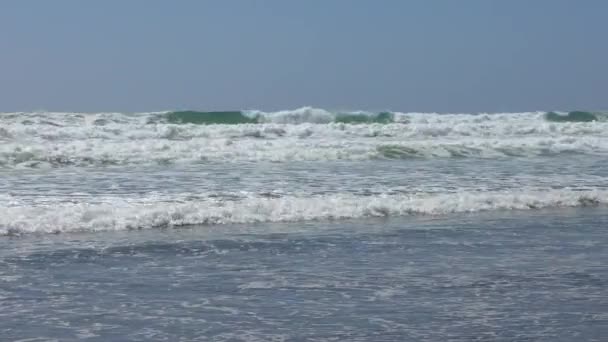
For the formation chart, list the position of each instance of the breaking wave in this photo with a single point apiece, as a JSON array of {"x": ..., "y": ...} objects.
[
  {"x": 117, "y": 214},
  {"x": 201, "y": 151},
  {"x": 306, "y": 134},
  {"x": 302, "y": 115},
  {"x": 320, "y": 116},
  {"x": 576, "y": 116}
]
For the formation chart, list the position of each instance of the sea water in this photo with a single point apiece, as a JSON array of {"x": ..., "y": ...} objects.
[{"x": 303, "y": 225}]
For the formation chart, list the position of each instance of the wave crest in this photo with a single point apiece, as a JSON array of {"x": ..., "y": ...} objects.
[
  {"x": 576, "y": 116},
  {"x": 298, "y": 116},
  {"x": 120, "y": 215}
]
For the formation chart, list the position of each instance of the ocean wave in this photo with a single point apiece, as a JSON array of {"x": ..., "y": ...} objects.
[
  {"x": 305, "y": 134},
  {"x": 294, "y": 116},
  {"x": 576, "y": 116},
  {"x": 321, "y": 116},
  {"x": 119, "y": 214},
  {"x": 189, "y": 124},
  {"x": 205, "y": 150},
  {"x": 298, "y": 116}
]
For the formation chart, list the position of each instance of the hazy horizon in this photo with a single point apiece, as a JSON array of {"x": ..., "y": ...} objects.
[{"x": 415, "y": 56}]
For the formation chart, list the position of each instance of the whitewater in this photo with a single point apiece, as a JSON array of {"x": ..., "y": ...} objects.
[
  {"x": 68, "y": 172},
  {"x": 39, "y": 140}
]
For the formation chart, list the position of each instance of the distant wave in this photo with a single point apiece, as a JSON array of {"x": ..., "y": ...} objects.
[
  {"x": 576, "y": 116},
  {"x": 302, "y": 115},
  {"x": 117, "y": 214},
  {"x": 295, "y": 116},
  {"x": 194, "y": 117},
  {"x": 320, "y": 116}
]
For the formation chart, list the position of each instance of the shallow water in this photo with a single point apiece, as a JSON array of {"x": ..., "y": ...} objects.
[{"x": 500, "y": 276}]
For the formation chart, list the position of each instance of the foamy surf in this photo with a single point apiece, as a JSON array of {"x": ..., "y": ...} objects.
[
  {"x": 120, "y": 214},
  {"x": 201, "y": 151},
  {"x": 38, "y": 140}
]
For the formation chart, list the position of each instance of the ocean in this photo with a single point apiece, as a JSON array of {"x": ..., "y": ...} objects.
[{"x": 303, "y": 225}]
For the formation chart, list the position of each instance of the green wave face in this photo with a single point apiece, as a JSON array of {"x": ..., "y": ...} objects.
[
  {"x": 239, "y": 117},
  {"x": 194, "y": 117},
  {"x": 576, "y": 116},
  {"x": 383, "y": 117}
]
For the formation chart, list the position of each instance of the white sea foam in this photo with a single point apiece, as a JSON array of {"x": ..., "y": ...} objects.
[
  {"x": 307, "y": 134},
  {"x": 118, "y": 214},
  {"x": 201, "y": 150}
]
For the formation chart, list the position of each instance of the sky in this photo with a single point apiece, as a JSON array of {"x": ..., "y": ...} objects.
[{"x": 406, "y": 55}]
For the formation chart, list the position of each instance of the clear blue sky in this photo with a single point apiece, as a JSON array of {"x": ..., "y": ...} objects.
[{"x": 408, "y": 55}]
